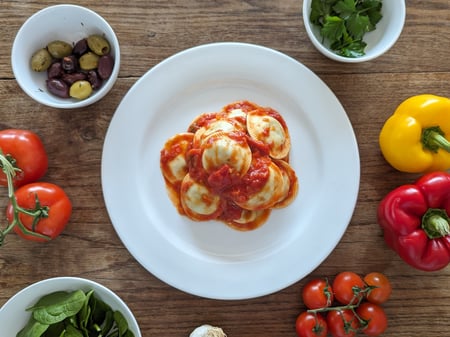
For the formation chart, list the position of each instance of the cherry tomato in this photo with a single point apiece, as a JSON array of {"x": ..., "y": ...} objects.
[
  {"x": 382, "y": 290},
  {"x": 317, "y": 293},
  {"x": 25, "y": 148},
  {"x": 311, "y": 325},
  {"x": 375, "y": 317},
  {"x": 49, "y": 196},
  {"x": 347, "y": 287},
  {"x": 342, "y": 323}
]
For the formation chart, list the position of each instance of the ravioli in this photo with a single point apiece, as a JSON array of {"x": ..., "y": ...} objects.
[{"x": 231, "y": 165}]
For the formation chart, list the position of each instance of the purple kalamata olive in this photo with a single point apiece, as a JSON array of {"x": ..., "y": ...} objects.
[
  {"x": 58, "y": 87},
  {"x": 94, "y": 79},
  {"x": 105, "y": 66},
  {"x": 55, "y": 70}
]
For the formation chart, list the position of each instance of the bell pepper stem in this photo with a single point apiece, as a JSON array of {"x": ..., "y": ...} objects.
[
  {"x": 436, "y": 223},
  {"x": 433, "y": 139}
]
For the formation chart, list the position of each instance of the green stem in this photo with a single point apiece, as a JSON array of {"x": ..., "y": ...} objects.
[
  {"x": 436, "y": 223},
  {"x": 37, "y": 213},
  {"x": 433, "y": 139}
]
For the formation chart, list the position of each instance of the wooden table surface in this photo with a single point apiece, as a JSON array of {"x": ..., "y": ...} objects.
[{"x": 152, "y": 30}]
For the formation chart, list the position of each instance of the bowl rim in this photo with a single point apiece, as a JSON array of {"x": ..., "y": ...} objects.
[
  {"x": 400, "y": 17},
  {"x": 79, "y": 283},
  {"x": 99, "y": 94}
]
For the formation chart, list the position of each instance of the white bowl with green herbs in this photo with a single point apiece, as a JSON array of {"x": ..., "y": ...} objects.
[
  {"x": 66, "y": 303},
  {"x": 354, "y": 31}
]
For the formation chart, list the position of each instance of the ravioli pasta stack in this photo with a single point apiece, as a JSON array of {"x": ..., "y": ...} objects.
[{"x": 231, "y": 165}]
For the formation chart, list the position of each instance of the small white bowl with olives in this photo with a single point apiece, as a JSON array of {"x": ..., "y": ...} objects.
[{"x": 66, "y": 56}]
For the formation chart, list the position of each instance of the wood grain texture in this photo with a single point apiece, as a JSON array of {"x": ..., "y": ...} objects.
[{"x": 150, "y": 31}]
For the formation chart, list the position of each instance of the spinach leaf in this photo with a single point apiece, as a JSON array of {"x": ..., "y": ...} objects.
[
  {"x": 74, "y": 314},
  {"x": 32, "y": 329},
  {"x": 56, "y": 307}
]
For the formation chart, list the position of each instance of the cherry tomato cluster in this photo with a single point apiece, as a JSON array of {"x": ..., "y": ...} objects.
[
  {"x": 347, "y": 305},
  {"x": 37, "y": 211}
]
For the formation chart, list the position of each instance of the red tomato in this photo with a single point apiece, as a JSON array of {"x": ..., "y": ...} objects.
[
  {"x": 27, "y": 151},
  {"x": 342, "y": 323},
  {"x": 382, "y": 287},
  {"x": 317, "y": 293},
  {"x": 52, "y": 199},
  {"x": 347, "y": 287},
  {"x": 311, "y": 325},
  {"x": 375, "y": 317}
]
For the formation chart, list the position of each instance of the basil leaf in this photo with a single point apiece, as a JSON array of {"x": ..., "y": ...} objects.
[
  {"x": 56, "y": 307},
  {"x": 32, "y": 329}
]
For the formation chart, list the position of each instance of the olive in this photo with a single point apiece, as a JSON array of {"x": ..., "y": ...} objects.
[
  {"x": 94, "y": 79},
  {"x": 80, "y": 89},
  {"x": 55, "y": 70},
  {"x": 41, "y": 60},
  {"x": 80, "y": 48},
  {"x": 105, "y": 66},
  {"x": 70, "y": 63},
  {"x": 59, "y": 49},
  {"x": 58, "y": 87},
  {"x": 71, "y": 78},
  {"x": 98, "y": 44},
  {"x": 88, "y": 61}
]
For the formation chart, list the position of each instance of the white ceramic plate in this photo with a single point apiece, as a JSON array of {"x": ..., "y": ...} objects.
[
  {"x": 13, "y": 316},
  {"x": 209, "y": 259}
]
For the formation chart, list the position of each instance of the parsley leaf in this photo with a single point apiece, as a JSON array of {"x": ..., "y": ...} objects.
[
  {"x": 343, "y": 23},
  {"x": 345, "y": 8}
]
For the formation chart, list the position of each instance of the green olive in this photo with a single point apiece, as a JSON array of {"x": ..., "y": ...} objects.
[
  {"x": 88, "y": 61},
  {"x": 98, "y": 44},
  {"x": 59, "y": 49},
  {"x": 41, "y": 60},
  {"x": 80, "y": 89}
]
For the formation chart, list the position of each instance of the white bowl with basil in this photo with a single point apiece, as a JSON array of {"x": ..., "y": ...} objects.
[
  {"x": 354, "y": 31},
  {"x": 50, "y": 302}
]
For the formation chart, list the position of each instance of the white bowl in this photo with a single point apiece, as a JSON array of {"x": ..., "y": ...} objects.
[
  {"x": 379, "y": 41},
  {"x": 69, "y": 23},
  {"x": 14, "y": 317}
]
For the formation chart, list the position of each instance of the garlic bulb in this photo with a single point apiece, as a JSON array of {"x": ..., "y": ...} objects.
[{"x": 207, "y": 330}]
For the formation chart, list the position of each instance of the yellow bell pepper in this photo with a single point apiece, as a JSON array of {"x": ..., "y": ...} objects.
[{"x": 416, "y": 138}]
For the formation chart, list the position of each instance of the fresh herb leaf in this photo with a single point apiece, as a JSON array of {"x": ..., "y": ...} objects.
[
  {"x": 334, "y": 28},
  {"x": 358, "y": 25},
  {"x": 345, "y": 8},
  {"x": 343, "y": 23}
]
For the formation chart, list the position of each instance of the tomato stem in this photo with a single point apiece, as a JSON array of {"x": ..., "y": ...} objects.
[{"x": 36, "y": 213}]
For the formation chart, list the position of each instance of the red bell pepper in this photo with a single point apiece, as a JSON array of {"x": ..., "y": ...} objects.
[{"x": 416, "y": 223}]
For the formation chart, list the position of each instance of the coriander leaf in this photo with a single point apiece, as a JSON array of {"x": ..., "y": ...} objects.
[
  {"x": 357, "y": 25},
  {"x": 345, "y": 8},
  {"x": 333, "y": 29}
]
